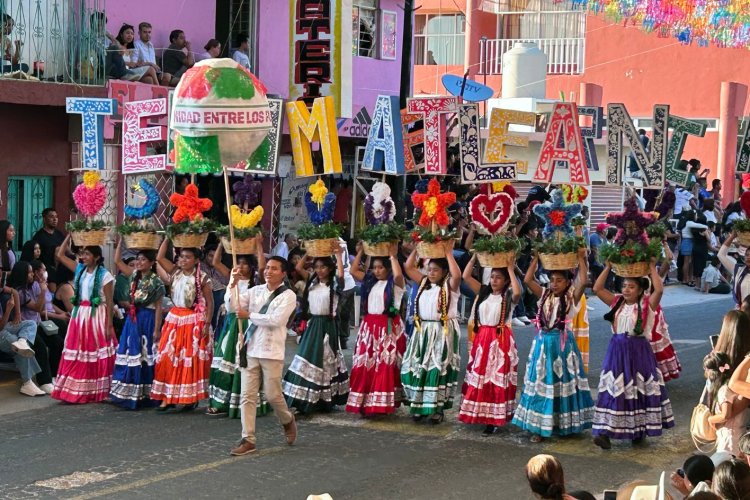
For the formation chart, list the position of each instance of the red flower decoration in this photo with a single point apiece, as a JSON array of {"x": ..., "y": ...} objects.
[
  {"x": 557, "y": 217},
  {"x": 189, "y": 206},
  {"x": 433, "y": 205}
]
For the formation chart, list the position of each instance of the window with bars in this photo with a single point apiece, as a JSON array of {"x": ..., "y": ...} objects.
[
  {"x": 439, "y": 39},
  {"x": 364, "y": 28}
]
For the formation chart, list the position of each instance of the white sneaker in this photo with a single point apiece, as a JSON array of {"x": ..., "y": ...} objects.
[
  {"x": 589, "y": 308},
  {"x": 29, "y": 388},
  {"x": 525, "y": 319},
  {"x": 518, "y": 322},
  {"x": 47, "y": 388},
  {"x": 21, "y": 346}
]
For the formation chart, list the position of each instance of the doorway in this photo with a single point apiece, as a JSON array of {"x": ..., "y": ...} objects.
[{"x": 27, "y": 197}]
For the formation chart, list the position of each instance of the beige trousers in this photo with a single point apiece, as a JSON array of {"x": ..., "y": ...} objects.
[{"x": 270, "y": 370}]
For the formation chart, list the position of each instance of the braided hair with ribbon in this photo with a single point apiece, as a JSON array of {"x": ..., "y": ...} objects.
[
  {"x": 443, "y": 297},
  {"x": 313, "y": 280},
  {"x": 370, "y": 280},
  {"x": 149, "y": 255},
  {"x": 485, "y": 291},
  {"x": 643, "y": 308},
  {"x": 95, "y": 299}
]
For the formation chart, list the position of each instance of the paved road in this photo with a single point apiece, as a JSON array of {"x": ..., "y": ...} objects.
[{"x": 57, "y": 451}]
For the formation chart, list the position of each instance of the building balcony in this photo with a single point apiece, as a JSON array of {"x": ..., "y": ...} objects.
[{"x": 565, "y": 56}]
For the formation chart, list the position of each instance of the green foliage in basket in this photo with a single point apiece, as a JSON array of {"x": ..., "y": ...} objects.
[
  {"x": 578, "y": 220},
  {"x": 382, "y": 233},
  {"x": 309, "y": 231},
  {"x": 134, "y": 226},
  {"x": 239, "y": 234},
  {"x": 425, "y": 234},
  {"x": 198, "y": 226},
  {"x": 85, "y": 225},
  {"x": 741, "y": 225},
  {"x": 656, "y": 231},
  {"x": 568, "y": 244},
  {"x": 630, "y": 253},
  {"x": 497, "y": 244}
]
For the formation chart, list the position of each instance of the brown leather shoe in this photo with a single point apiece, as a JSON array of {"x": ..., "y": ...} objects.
[
  {"x": 290, "y": 431},
  {"x": 245, "y": 448}
]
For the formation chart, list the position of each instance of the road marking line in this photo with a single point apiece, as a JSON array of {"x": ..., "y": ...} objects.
[{"x": 175, "y": 474}]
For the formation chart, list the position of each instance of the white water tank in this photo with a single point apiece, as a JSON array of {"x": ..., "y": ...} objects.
[{"x": 524, "y": 72}]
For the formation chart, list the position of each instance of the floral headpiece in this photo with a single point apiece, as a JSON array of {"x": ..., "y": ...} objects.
[
  {"x": 189, "y": 206},
  {"x": 631, "y": 223},
  {"x": 245, "y": 220},
  {"x": 492, "y": 212},
  {"x": 379, "y": 206},
  {"x": 433, "y": 204},
  {"x": 247, "y": 192},
  {"x": 319, "y": 203},
  {"x": 574, "y": 194},
  {"x": 150, "y": 194},
  {"x": 557, "y": 215},
  {"x": 91, "y": 195}
]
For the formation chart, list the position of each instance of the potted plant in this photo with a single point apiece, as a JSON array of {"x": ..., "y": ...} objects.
[
  {"x": 492, "y": 214},
  {"x": 137, "y": 231},
  {"x": 433, "y": 221},
  {"x": 320, "y": 236},
  {"x": 190, "y": 228},
  {"x": 631, "y": 252},
  {"x": 381, "y": 231},
  {"x": 245, "y": 215},
  {"x": 89, "y": 197},
  {"x": 559, "y": 246}
]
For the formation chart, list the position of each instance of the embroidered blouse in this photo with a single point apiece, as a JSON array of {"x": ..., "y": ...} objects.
[
  {"x": 150, "y": 290},
  {"x": 376, "y": 298},
  {"x": 428, "y": 304}
]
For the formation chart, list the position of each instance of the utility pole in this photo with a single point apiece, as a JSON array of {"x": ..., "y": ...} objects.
[{"x": 404, "y": 91}]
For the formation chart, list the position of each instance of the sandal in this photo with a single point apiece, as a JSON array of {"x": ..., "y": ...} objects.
[
  {"x": 187, "y": 408},
  {"x": 536, "y": 438},
  {"x": 417, "y": 418},
  {"x": 215, "y": 412},
  {"x": 164, "y": 407},
  {"x": 603, "y": 442},
  {"x": 437, "y": 418},
  {"x": 489, "y": 430}
]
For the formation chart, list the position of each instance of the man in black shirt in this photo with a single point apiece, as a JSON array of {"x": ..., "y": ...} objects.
[
  {"x": 49, "y": 238},
  {"x": 178, "y": 57}
]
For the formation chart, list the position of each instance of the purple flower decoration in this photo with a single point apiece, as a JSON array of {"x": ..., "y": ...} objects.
[
  {"x": 631, "y": 223},
  {"x": 320, "y": 215},
  {"x": 557, "y": 215},
  {"x": 247, "y": 192},
  {"x": 379, "y": 207}
]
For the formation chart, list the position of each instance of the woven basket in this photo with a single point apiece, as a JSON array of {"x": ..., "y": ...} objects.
[
  {"x": 320, "y": 248},
  {"x": 634, "y": 270},
  {"x": 241, "y": 247},
  {"x": 142, "y": 241},
  {"x": 559, "y": 261},
  {"x": 427, "y": 250},
  {"x": 382, "y": 249},
  {"x": 89, "y": 238},
  {"x": 189, "y": 240},
  {"x": 495, "y": 260},
  {"x": 743, "y": 238}
]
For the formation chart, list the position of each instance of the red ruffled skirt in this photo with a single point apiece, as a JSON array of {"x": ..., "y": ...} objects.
[{"x": 666, "y": 358}]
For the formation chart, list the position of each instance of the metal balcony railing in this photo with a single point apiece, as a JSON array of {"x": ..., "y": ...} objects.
[
  {"x": 53, "y": 40},
  {"x": 565, "y": 56}
]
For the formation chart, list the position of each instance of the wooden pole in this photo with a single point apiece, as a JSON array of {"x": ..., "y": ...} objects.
[{"x": 229, "y": 213}]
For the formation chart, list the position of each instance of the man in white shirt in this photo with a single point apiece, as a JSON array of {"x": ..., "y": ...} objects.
[
  {"x": 712, "y": 281},
  {"x": 268, "y": 308},
  {"x": 146, "y": 53},
  {"x": 241, "y": 54},
  {"x": 346, "y": 299},
  {"x": 282, "y": 248},
  {"x": 684, "y": 200}
]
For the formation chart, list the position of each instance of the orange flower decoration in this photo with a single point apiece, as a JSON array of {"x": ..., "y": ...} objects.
[
  {"x": 189, "y": 206},
  {"x": 557, "y": 217},
  {"x": 433, "y": 204}
]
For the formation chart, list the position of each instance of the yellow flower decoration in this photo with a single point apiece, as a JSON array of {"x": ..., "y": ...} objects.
[
  {"x": 430, "y": 206},
  {"x": 242, "y": 220},
  {"x": 91, "y": 178},
  {"x": 318, "y": 192},
  {"x": 497, "y": 187}
]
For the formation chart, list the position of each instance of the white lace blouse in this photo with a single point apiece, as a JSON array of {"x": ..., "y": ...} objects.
[{"x": 376, "y": 298}]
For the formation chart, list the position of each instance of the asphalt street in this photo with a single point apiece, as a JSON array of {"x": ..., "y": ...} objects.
[{"x": 58, "y": 451}]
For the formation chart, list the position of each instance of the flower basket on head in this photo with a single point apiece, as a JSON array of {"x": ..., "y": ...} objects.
[
  {"x": 559, "y": 247},
  {"x": 381, "y": 231},
  {"x": 631, "y": 252},
  {"x": 320, "y": 236},
  {"x": 137, "y": 232},
  {"x": 491, "y": 214},
  {"x": 190, "y": 228},
  {"x": 89, "y": 197},
  {"x": 578, "y": 223},
  {"x": 741, "y": 228},
  {"x": 433, "y": 221},
  {"x": 246, "y": 229}
]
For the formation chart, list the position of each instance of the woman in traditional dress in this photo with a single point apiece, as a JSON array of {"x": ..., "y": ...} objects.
[
  {"x": 556, "y": 397},
  {"x": 85, "y": 371},
  {"x": 429, "y": 371},
  {"x": 375, "y": 386},
  {"x": 632, "y": 401},
  {"x": 224, "y": 381},
  {"x": 317, "y": 379},
  {"x": 489, "y": 388},
  {"x": 183, "y": 362},
  {"x": 134, "y": 363}
]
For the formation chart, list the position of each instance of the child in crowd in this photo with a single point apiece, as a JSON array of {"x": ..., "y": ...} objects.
[{"x": 730, "y": 413}]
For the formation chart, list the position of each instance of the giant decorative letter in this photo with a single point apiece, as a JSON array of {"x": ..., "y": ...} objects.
[
  {"x": 93, "y": 111},
  {"x": 499, "y": 136},
  {"x": 411, "y": 139},
  {"x": 472, "y": 169},
  {"x": 562, "y": 144},
  {"x": 743, "y": 157},
  {"x": 681, "y": 127},
  {"x": 588, "y": 134},
  {"x": 385, "y": 148},
  {"x": 310, "y": 126},
  {"x": 651, "y": 166},
  {"x": 435, "y": 144},
  {"x": 135, "y": 135}
]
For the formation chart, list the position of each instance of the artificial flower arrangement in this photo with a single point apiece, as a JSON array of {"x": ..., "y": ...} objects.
[
  {"x": 245, "y": 221},
  {"x": 559, "y": 245},
  {"x": 742, "y": 226},
  {"x": 89, "y": 197},
  {"x": 321, "y": 235},
  {"x": 656, "y": 231},
  {"x": 433, "y": 220},
  {"x": 381, "y": 231},
  {"x": 631, "y": 252},
  {"x": 137, "y": 231},
  {"x": 492, "y": 214},
  {"x": 190, "y": 228}
]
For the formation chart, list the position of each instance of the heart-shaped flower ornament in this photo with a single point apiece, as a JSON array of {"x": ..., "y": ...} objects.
[{"x": 492, "y": 212}]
